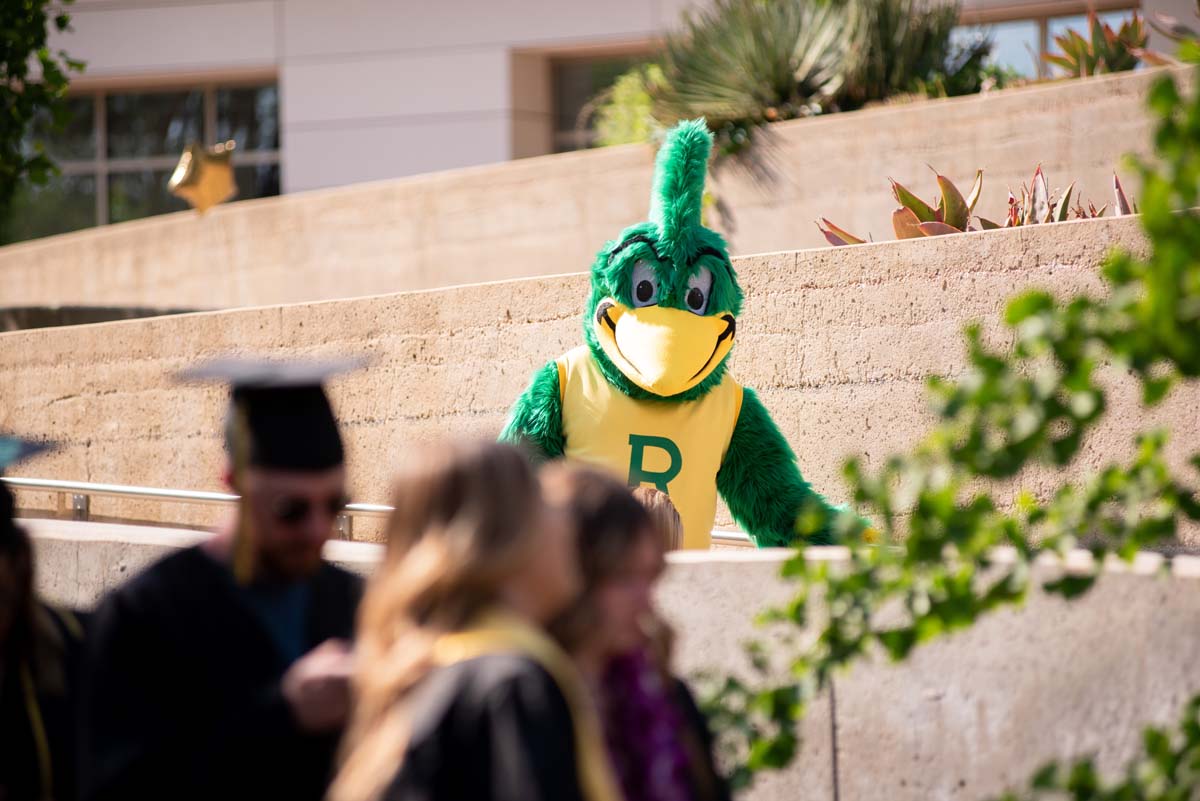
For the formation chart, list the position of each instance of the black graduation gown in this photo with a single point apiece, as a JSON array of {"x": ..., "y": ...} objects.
[
  {"x": 182, "y": 698},
  {"x": 492, "y": 728},
  {"x": 707, "y": 782},
  {"x": 49, "y": 713}
]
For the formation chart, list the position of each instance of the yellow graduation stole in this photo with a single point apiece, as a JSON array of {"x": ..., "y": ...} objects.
[{"x": 500, "y": 632}]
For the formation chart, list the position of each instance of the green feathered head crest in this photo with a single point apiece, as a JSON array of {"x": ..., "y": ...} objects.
[
  {"x": 664, "y": 294},
  {"x": 678, "y": 194}
]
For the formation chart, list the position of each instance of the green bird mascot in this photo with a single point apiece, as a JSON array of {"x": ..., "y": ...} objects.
[{"x": 648, "y": 395}]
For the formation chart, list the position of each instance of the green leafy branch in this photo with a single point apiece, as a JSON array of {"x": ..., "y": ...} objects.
[
  {"x": 952, "y": 552},
  {"x": 1168, "y": 770},
  {"x": 26, "y": 96}
]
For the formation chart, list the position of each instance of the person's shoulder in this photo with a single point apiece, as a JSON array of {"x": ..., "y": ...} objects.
[
  {"x": 500, "y": 670},
  {"x": 339, "y": 585},
  {"x": 177, "y": 572},
  {"x": 485, "y": 684},
  {"x": 337, "y": 576},
  {"x": 67, "y": 623}
]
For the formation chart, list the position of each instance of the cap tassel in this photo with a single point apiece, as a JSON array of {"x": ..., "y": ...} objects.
[{"x": 243, "y": 536}]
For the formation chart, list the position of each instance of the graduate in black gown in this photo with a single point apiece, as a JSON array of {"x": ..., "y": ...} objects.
[
  {"x": 658, "y": 740},
  {"x": 39, "y": 660},
  {"x": 222, "y": 671},
  {"x": 460, "y": 694}
]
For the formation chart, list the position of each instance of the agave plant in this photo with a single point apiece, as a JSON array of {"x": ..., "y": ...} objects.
[
  {"x": 1121, "y": 205},
  {"x": 952, "y": 212},
  {"x": 1106, "y": 51},
  {"x": 915, "y": 218},
  {"x": 903, "y": 46},
  {"x": 1037, "y": 206},
  {"x": 741, "y": 63}
]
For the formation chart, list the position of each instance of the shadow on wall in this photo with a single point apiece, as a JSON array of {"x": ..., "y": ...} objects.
[{"x": 21, "y": 317}]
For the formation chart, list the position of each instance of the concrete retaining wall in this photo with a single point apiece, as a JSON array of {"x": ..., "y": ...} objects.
[
  {"x": 550, "y": 215},
  {"x": 966, "y": 717},
  {"x": 838, "y": 342}
]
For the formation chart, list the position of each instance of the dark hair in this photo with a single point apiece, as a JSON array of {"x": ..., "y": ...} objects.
[
  {"x": 16, "y": 548},
  {"x": 609, "y": 522}
]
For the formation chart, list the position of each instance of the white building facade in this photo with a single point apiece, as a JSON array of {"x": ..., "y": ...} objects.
[{"x": 322, "y": 93}]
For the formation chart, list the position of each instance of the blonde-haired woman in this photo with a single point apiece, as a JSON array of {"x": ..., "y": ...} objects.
[{"x": 460, "y": 693}]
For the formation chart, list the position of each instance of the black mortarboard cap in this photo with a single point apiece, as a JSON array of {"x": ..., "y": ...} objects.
[{"x": 289, "y": 424}]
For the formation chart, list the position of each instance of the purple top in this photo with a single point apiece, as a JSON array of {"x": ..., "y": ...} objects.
[{"x": 644, "y": 731}]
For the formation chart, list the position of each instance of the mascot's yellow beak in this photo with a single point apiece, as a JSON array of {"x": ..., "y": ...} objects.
[{"x": 662, "y": 350}]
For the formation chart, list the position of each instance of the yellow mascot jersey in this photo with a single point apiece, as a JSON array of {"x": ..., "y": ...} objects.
[{"x": 677, "y": 447}]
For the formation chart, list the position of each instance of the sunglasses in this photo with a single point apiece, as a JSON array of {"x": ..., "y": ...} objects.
[{"x": 293, "y": 510}]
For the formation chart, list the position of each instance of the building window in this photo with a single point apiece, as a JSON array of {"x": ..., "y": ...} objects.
[
  {"x": 575, "y": 83},
  {"x": 1021, "y": 43},
  {"x": 120, "y": 147}
]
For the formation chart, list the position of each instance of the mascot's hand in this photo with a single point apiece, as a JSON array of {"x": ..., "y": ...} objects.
[{"x": 819, "y": 523}]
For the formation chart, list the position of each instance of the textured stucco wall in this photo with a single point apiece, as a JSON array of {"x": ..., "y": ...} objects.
[
  {"x": 965, "y": 718},
  {"x": 550, "y": 215},
  {"x": 838, "y": 342}
]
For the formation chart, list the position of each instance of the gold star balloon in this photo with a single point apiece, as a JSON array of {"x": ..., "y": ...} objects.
[{"x": 204, "y": 176}]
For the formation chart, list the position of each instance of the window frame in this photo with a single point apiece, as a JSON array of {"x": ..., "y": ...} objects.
[
  {"x": 101, "y": 165},
  {"x": 642, "y": 49}
]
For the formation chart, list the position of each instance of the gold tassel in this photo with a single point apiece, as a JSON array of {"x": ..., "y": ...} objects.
[{"x": 243, "y": 536}]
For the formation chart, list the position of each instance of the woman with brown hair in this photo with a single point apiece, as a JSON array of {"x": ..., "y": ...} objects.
[
  {"x": 657, "y": 738},
  {"x": 459, "y": 692}
]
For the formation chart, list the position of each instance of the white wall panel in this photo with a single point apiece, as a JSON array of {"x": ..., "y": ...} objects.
[
  {"x": 334, "y": 155},
  {"x": 315, "y": 28},
  {"x": 412, "y": 84},
  {"x": 158, "y": 39}
]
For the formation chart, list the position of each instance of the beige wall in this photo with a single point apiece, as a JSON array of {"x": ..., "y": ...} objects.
[
  {"x": 837, "y": 341},
  {"x": 550, "y": 215},
  {"x": 965, "y": 718}
]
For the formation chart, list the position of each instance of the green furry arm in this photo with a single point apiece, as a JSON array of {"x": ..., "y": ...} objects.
[
  {"x": 535, "y": 421},
  {"x": 761, "y": 482}
]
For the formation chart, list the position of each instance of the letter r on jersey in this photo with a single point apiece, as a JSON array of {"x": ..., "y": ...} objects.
[{"x": 638, "y": 472}]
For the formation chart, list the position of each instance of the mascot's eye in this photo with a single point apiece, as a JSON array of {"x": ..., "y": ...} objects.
[
  {"x": 643, "y": 285},
  {"x": 699, "y": 288}
]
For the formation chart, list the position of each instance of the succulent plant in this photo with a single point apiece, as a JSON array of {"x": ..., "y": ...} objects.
[
  {"x": 952, "y": 213},
  {"x": 1037, "y": 206},
  {"x": 1121, "y": 204},
  {"x": 915, "y": 218},
  {"x": 1105, "y": 51}
]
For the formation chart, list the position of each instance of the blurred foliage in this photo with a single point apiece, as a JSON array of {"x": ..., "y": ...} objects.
[
  {"x": 624, "y": 114},
  {"x": 741, "y": 64},
  {"x": 1168, "y": 769},
  {"x": 1030, "y": 403},
  {"x": 1105, "y": 50},
  {"x": 904, "y": 46},
  {"x": 27, "y": 94},
  {"x": 967, "y": 71}
]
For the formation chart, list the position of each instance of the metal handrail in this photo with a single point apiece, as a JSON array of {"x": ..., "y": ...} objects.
[{"x": 82, "y": 490}]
